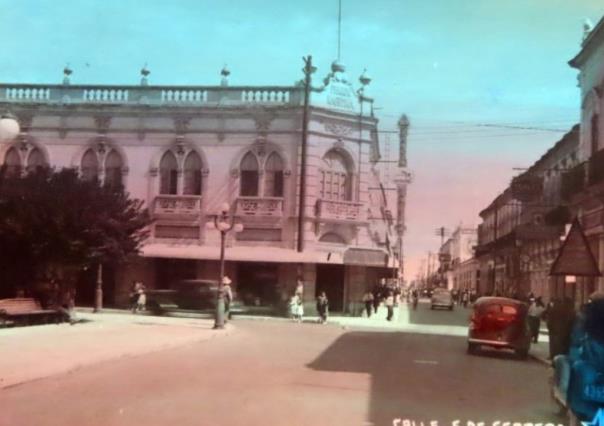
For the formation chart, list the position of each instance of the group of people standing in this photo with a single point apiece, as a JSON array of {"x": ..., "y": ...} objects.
[
  {"x": 388, "y": 294},
  {"x": 296, "y": 304}
]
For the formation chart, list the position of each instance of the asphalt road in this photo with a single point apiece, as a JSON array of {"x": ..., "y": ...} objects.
[{"x": 281, "y": 373}]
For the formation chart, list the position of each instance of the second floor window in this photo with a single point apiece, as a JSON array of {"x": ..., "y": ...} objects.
[
  {"x": 35, "y": 160},
  {"x": 335, "y": 178},
  {"x": 250, "y": 172},
  {"x": 12, "y": 161},
  {"x": 273, "y": 176},
  {"x": 90, "y": 166},
  {"x": 168, "y": 174},
  {"x": 192, "y": 174},
  {"x": 113, "y": 170}
]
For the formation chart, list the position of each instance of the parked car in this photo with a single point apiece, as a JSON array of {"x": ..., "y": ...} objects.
[
  {"x": 441, "y": 298},
  {"x": 501, "y": 323},
  {"x": 190, "y": 294}
]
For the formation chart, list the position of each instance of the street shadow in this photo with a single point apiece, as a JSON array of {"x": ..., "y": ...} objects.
[
  {"x": 423, "y": 315},
  {"x": 411, "y": 379}
]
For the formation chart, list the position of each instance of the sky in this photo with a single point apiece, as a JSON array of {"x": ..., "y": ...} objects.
[{"x": 452, "y": 66}]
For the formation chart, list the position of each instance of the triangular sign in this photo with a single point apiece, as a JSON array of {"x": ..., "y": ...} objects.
[{"x": 575, "y": 256}]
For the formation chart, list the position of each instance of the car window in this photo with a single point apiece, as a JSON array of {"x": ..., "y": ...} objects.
[{"x": 499, "y": 309}]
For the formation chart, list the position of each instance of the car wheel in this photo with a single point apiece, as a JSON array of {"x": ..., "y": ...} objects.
[{"x": 472, "y": 348}]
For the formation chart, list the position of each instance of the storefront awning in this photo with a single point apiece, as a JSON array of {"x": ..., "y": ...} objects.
[
  {"x": 241, "y": 254},
  {"x": 365, "y": 257}
]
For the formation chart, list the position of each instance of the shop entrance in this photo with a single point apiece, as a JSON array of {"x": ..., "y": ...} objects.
[
  {"x": 257, "y": 283},
  {"x": 170, "y": 270},
  {"x": 330, "y": 279}
]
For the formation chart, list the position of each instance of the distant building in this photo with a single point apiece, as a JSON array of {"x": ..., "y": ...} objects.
[
  {"x": 457, "y": 250},
  {"x": 186, "y": 150}
]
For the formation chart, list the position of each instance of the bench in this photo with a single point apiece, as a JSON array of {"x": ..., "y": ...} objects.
[{"x": 26, "y": 311}]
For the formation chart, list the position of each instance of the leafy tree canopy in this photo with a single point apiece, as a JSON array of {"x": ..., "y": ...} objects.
[{"x": 50, "y": 217}]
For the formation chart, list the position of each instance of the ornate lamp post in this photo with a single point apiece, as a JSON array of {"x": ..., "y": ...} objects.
[
  {"x": 224, "y": 223},
  {"x": 9, "y": 127}
]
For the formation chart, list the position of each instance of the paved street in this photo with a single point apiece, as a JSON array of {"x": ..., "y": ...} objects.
[{"x": 280, "y": 373}]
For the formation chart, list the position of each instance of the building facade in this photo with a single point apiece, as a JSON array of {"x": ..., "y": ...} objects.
[
  {"x": 186, "y": 151},
  {"x": 520, "y": 234},
  {"x": 585, "y": 184}
]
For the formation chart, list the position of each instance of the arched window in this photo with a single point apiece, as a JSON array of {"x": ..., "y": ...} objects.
[
  {"x": 192, "y": 174},
  {"x": 273, "y": 176},
  {"x": 35, "y": 160},
  {"x": 335, "y": 181},
  {"x": 113, "y": 170},
  {"x": 249, "y": 175},
  {"x": 12, "y": 161},
  {"x": 90, "y": 166},
  {"x": 168, "y": 174}
]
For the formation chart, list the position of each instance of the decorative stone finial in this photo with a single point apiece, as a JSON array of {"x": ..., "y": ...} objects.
[
  {"x": 66, "y": 73},
  {"x": 364, "y": 78},
  {"x": 588, "y": 26},
  {"x": 224, "y": 81},
  {"x": 145, "y": 73}
]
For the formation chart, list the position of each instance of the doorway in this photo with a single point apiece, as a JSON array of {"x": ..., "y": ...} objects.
[
  {"x": 257, "y": 283},
  {"x": 330, "y": 279}
]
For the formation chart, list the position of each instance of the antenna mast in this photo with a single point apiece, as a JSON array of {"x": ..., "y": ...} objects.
[{"x": 339, "y": 27}]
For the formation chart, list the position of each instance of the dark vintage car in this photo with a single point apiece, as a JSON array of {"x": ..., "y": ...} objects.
[
  {"x": 501, "y": 323},
  {"x": 191, "y": 294}
]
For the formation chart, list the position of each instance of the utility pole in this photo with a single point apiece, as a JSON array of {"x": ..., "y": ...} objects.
[{"x": 308, "y": 70}]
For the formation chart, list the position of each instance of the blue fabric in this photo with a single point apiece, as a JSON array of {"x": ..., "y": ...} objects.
[{"x": 586, "y": 388}]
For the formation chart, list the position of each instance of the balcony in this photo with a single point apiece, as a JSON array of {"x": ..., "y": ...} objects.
[
  {"x": 177, "y": 206},
  {"x": 340, "y": 211},
  {"x": 150, "y": 95},
  {"x": 260, "y": 207}
]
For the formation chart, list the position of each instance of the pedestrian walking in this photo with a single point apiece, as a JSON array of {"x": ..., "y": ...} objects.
[
  {"x": 390, "y": 305},
  {"x": 376, "y": 298},
  {"x": 228, "y": 297},
  {"x": 465, "y": 298},
  {"x": 368, "y": 301},
  {"x": 535, "y": 311},
  {"x": 134, "y": 290},
  {"x": 322, "y": 307},
  {"x": 141, "y": 300},
  {"x": 296, "y": 308}
]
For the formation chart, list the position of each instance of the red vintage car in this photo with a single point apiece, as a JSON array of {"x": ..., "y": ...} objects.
[{"x": 501, "y": 323}]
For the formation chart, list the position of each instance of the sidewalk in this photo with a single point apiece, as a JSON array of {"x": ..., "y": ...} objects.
[{"x": 35, "y": 352}]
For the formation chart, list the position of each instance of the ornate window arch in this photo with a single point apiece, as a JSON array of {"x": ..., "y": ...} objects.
[
  {"x": 273, "y": 176},
  {"x": 168, "y": 174},
  {"x": 12, "y": 162},
  {"x": 113, "y": 170},
  {"x": 35, "y": 160},
  {"x": 90, "y": 165},
  {"x": 335, "y": 177},
  {"x": 192, "y": 174},
  {"x": 250, "y": 174}
]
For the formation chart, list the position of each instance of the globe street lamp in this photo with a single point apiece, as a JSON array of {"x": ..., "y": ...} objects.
[
  {"x": 224, "y": 223},
  {"x": 9, "y": 127}
]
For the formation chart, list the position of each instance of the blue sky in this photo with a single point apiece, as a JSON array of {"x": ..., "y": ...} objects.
[{"x": 448, "y": 64}]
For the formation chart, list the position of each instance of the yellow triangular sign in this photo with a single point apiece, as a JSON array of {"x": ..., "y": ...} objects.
[{"x": 575, "y": 256}]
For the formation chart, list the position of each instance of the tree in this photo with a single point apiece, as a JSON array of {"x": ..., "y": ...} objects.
[{"x": 55, "y": 220}]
